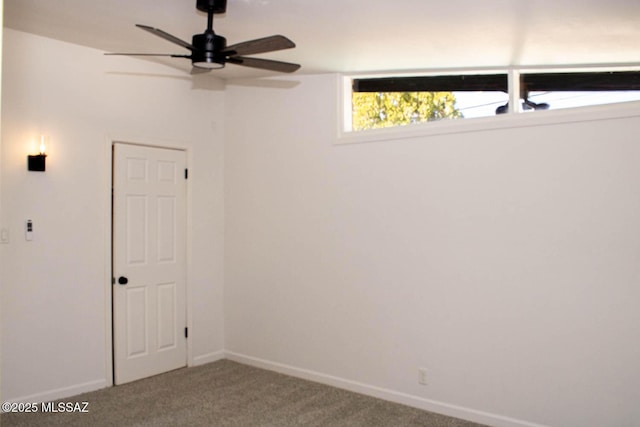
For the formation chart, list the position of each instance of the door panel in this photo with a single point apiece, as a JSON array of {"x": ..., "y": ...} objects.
[
  {"x": 166, "y": 229},
  {"x": 149, "y": 247},
  {"x": 137, "y": 327},
  {"x": 136, "y": 230},
  {"x": 166, "y": 316}
]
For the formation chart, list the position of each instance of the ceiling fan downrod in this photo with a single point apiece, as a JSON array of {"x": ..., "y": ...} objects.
[{"x": 209, "y": 44}]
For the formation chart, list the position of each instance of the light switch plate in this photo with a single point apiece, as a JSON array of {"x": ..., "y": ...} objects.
[
  {"x": 28, "y": 230},
  {"x": 4, "y": 235}
]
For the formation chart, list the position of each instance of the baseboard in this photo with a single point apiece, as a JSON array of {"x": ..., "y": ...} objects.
[
  {"x": 61, "y": 393},
  {"x": 207, "y": 358},
  {"x": 381, "y": 393},
  {"x": 50, "y": 395}
]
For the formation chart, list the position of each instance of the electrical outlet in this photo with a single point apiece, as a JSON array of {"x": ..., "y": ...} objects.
[{"x": 422, "y": 376}]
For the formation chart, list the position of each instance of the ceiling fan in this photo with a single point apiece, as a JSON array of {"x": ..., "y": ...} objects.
[{"x": 210, "y": 51}]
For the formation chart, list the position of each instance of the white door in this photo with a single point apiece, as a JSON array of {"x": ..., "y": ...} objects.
[{"x": 149, "y": 265}]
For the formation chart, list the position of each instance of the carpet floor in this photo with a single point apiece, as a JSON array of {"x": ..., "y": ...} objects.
[{"x": 227, "y": 393}]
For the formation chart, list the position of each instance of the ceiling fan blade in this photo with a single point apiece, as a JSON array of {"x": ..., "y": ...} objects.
[
  {"x": 150, "y": 54},
  {"x": 166, "y": 36},
  {"x": 265, "y": 64},
  {"x": 265, "y": 44}
]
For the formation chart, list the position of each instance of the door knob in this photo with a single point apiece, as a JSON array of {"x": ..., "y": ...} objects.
[{"x": 123, "y": 280}]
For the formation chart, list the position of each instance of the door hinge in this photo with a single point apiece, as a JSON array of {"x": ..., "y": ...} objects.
[
  {"x": 186, "y": 332},
  {"x": 113, "y": 280},
  {"x": 186, "y": 174}
]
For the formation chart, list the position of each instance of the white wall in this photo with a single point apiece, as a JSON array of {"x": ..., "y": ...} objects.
[
  {"x": 55, "y": 289},
  {"x": 1, "y": 33},
  {"x": 506, "y": 262}
]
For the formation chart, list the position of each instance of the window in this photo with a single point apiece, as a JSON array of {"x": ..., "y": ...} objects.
[
  {"x": 397, "y": 101},
  {"x": 568, "y": 90},
  {"x": 382, "y": 102}
]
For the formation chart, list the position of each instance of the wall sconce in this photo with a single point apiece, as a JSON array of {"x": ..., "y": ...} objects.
[{"x": 37, "y": 162}]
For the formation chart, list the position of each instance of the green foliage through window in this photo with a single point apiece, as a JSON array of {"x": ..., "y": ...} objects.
[{"x": 372, "y": 110}]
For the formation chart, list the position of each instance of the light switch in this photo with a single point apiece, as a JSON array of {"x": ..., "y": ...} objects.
[
  {"x": 28, "y": 235},
  {"x": 4, "y": 235}
]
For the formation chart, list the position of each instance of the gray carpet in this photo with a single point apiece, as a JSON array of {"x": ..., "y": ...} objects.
[{"x": 227, "y": 393}]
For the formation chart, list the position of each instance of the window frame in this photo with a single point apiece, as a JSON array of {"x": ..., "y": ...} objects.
[{"x": 513, "y": 118}]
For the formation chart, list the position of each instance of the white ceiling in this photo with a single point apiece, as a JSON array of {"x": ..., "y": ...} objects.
[{"x": 357, "y": 35}]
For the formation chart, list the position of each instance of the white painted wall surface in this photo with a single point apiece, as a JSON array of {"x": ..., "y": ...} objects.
[
  {"x": 506, "y": 262},
  {"x": 55, "y": 289},
  {"x": 1, "y": 33}
]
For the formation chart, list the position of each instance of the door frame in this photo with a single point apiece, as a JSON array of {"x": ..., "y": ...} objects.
[{"x": 108, "y": 238}]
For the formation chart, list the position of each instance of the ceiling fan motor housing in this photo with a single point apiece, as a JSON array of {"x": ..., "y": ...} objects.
[
  {"x": 208, "y": 52},
  {"x": 214, "y": 6}
]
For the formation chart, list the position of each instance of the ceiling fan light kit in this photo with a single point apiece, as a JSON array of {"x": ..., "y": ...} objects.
[{"x": 210, "y": 51}]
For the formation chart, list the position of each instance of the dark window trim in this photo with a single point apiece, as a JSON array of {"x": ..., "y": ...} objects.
[
  {"x": 529, "y": 82},
  {"x": 454, "y": 83}
]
